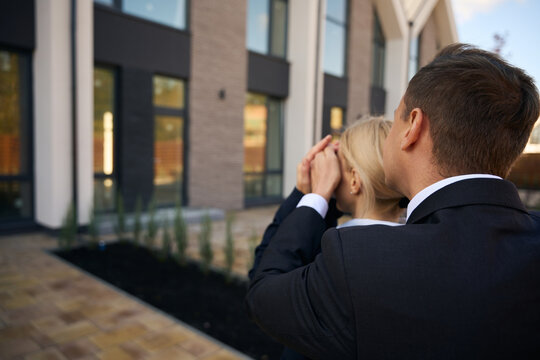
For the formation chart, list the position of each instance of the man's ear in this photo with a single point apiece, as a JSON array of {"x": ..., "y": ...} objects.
[
  {"x": 416, "y": 120},
  {"x": 356, "y": 182}
]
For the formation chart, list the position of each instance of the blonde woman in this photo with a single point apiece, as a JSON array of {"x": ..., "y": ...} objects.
[{"x": 361, "y": 192}]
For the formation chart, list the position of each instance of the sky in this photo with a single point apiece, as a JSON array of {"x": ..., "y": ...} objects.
[{"x": 477, "y": 22}]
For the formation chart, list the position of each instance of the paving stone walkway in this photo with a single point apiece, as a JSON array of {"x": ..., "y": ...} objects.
[{"x": 51, "y": 310}]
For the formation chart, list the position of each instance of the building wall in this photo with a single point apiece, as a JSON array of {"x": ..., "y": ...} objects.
[
  {"x": 428, "y": 42},
  {"x": 359, "y": 57},
  {"x": 216, "y": 130}
]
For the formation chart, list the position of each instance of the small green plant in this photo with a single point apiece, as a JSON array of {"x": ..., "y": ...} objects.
[
  {"x": 229, "y": 246},
  {"x": 93, "y": 227},
  {"x": 151, "y": 225},
  {"x": 137, "y": 225},
  {"x": 180, "y": 234},
  {"x": 68, "y": 232},
  {"x": 166, "y": 239},
  {"x": 205, "y": 246},
  {"x": 252, "y": 243},
  {"x": 120, "y": 226}
]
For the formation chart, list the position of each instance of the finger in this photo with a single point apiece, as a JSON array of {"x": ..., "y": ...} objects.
[{"x": 318, "y": 147}]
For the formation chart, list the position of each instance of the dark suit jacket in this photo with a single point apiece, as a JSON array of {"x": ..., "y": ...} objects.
[
  {"x": 283, "y": 211},
  {"x": 460, "y": 280}
]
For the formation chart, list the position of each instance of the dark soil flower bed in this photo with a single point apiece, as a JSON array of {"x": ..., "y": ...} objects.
[{"x": 206, "y": 302}]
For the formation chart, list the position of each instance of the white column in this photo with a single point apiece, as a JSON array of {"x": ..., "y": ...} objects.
[
  {"x": 52, "y": 112},
  {"x": 395, "y": 77},
  {"x": 85, "y": 108},
  {"x": 303, "y": 109}
]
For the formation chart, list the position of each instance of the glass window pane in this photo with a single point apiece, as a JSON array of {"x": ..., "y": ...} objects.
[
  {"x": 273, "y": 185},
  {"x": 104, "y": 194},
  {"x": 255, "y": 117},
  {"x": 168, "y": 92},
  {"x": 279, "y": 28},
  {"x": 103, "y": 121},
  {"x": 167, "y": 12},
  {"x": 257, "y": 25},
  {"x": 253, "y": 186},
  {"x": 13, "y": 115},
  {"x": 413, "y": 56},
  {"x": 274, "y": 147},
  {"x": 378, "y": 54},
  {"x": 15, "y": 199},
  {"x": 168, "y": 158},
  {"x": 334, "y": 49},
  {"x": 336, "y": 10}
]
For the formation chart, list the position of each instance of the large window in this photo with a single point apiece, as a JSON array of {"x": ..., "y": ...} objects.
[
  {"x": 16, "y": 200},
  {"x": 267, "y": 27},
  {"x": 414, "y": 56},
  {"x": 104, "y": 144},
  {"x": 169, "y": 115},
  {"x": 335, "y": 40},
  {"x": 167, "y": 12},
  {"x": 379, "y": 50},
  {"x": 263, "y": 164},
  {"x": 377, "y": 92}
]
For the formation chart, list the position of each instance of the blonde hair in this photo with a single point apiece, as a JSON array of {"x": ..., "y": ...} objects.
[{"x": 361, "y": 145}]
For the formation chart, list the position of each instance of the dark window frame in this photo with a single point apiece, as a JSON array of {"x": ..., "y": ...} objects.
[
  {"x": 183, "y": 113},
  {"x": 346, "y": 27},
  {"x": 29, "y": 176},
  {"x": 264, "y": 199},
  {"x": 270, "y": 32}
]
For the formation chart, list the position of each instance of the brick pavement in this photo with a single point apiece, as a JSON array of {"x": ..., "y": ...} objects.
[{"x": 51, "y": 310}]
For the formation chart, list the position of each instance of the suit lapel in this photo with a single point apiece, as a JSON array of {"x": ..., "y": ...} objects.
[{"x": 469, "y": 192}]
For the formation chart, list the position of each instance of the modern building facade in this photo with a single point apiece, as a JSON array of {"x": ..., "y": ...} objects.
[{"x": 207, "y": 102}]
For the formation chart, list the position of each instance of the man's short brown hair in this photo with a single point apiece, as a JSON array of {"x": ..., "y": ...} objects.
[{"x": 481, "y": 110}]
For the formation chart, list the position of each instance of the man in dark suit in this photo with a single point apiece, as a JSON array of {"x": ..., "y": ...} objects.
[{"x": 461, "y": 279}]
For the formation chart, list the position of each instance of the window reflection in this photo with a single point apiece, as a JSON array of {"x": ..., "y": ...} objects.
[
  {"x": 257, "y": 25},
  {"x": 104, "y": 129},
  {"x": 10, "y": 115},
  {"x": 168, "y": 152},
  {"x": 263, "y": 166},
  {"x": 267, "y": 27},
  {"x": 16, "y": 173},
  {"x": 15, "y": 199},
  {"x": 279, "y": 27},
  {"x": 379, "y": 44},
  {"x": 167, "y": 12},
  {"x": 335, "y": 37},
  {"x": 414, "y": 56},
  {"x": 255, "y": 116},
  {"x": 168, "y": 92},
  {"x": 169, "y": 99}
]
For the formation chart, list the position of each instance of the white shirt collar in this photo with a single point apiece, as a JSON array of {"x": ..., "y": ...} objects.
[
  {"x": 363, "y": 222},
  {"x": 422, "y": 195}
]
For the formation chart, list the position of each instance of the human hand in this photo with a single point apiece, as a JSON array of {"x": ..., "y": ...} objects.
[
  {"x": 303, "y": 177},
  {"x": 325, "y": 173}
]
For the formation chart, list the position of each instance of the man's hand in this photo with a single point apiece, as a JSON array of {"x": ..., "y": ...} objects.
[
  {"x": 325, "y": 173},
  {"x": 303, "y": 177}
]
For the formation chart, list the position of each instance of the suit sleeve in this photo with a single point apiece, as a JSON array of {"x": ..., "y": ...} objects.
[
  {"x": 301, "y": 297},
  {"x": 284, "y": 210}
]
